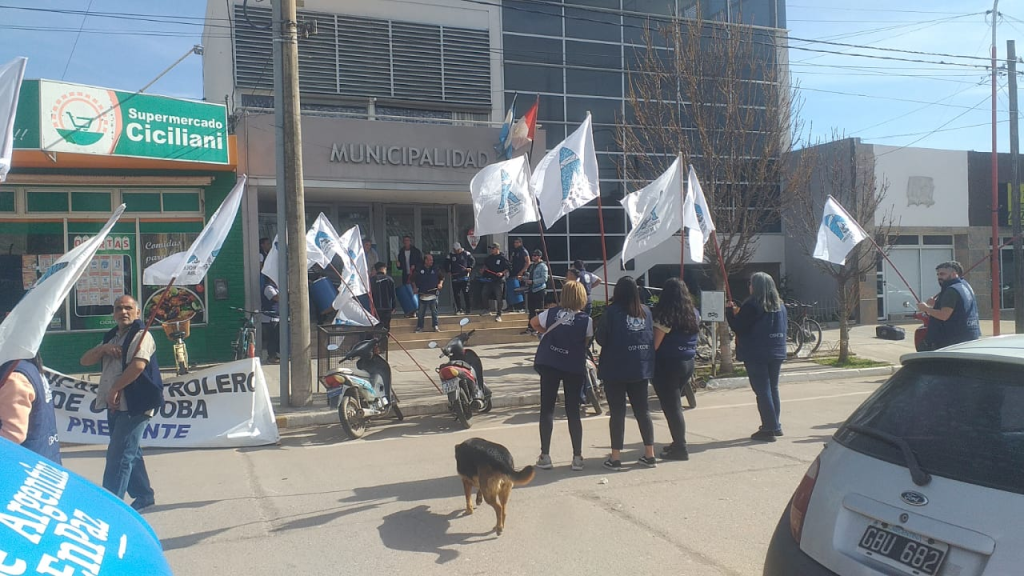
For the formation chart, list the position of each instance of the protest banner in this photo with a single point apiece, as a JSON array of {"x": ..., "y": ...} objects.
[{"x": 227, "y": 405}]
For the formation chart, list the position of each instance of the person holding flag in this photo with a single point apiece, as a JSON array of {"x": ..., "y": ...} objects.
[{"x": 953, "y": 314}]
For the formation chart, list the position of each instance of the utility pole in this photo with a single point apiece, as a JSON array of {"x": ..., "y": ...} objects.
[
  {"x": 996, "y": 282},
  {"x": 1014, "y": 207},
  {"x": 290, "y": 149},
  {"x": 282, "y": 222}
]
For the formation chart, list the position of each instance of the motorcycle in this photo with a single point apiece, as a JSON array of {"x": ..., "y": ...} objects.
[
  {"x": 365, "y": 392},
  {"x": 462, "y": 378}
]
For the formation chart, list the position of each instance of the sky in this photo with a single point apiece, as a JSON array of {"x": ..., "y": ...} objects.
[{"x": 883, "y": 101}]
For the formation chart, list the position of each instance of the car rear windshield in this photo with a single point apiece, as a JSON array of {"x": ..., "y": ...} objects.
[{"x": 964, "y": 420}]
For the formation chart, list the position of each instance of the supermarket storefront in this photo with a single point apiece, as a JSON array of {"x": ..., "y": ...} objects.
[{"x": 82, "y": 151}]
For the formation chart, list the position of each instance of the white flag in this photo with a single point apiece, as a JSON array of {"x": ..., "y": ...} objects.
[
  {"x": 11, "y": 75},
  {"x": 567, "y": 178},
  {"x": 23, "y": 329},
  {"x": 655, "y": 212},
  {"x": 270, "y": 263},
  {"x": 502, "y": 198},
  {"x": 837, "y": 234},
  {"x": 696, "y": 217},
  {"x": 350, "y": 311},
  {"x": 352, "y": 254},
  {"x": 190, "y": 267},
  {"x": 322, "y": 243}
]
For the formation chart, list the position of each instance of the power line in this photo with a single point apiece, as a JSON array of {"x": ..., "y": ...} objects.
[
  {"x": 894, "y": 99},
  {"x": 77, "y": 37},
  {"x": 927, "y": 134},
  {"x": 894, "y": 10},
  {"x": 914, "y": 111}
]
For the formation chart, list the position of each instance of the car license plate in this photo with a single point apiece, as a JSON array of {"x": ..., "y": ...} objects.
[
  {"x": 449, "y": 386},
  {"x": 897, "y": 547}
]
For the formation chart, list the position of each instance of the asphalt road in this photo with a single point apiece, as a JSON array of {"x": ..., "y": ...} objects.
[{"x": 392, "y": 503}]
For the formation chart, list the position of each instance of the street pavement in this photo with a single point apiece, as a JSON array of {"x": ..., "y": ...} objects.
[{"x": 392, "y": 502}]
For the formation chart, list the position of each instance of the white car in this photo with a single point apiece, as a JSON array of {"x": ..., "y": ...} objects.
[{"x": 926, "y": 478}]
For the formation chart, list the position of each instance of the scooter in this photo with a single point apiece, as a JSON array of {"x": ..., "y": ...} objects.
[
  {"x": 462, "y": 378},
  {"x": 365, "y": 392}
]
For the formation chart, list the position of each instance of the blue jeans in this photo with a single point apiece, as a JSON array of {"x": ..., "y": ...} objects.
[
  {"x": 424, "y": 306},
  {"x": 764, "y": 380},
  {"x": 125, "y": 470}
]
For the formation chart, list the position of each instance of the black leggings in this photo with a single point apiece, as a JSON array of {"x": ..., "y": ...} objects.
[
  {"x": 550, "y": 378},
  {"x": 669, "y": 378},
  {"x": 637, "y": 392}
]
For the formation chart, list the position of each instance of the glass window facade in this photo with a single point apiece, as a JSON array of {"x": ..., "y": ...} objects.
[{"x": 576, "y": 56}]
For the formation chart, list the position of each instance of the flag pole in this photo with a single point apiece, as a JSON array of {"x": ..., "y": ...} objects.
[
  {"x": 682, "y": 218},
  {"x": 536, "y": 207},
  {"x": 987, "y": 256},
  {"x": 895, "y": 269},
  {"x": 390, "y": 335},
  {"x": 152, "y": 316},
  {"x": 600, "y": 222}
]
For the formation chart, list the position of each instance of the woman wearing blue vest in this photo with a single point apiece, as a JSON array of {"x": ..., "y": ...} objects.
[
  {"x": 676, "y": 326},
  {"x": 26, "y": 408},
  {"x": 561, "y": 359},
  {"x": 760, "y": 327},
  {"x": 626, "y": 335}
]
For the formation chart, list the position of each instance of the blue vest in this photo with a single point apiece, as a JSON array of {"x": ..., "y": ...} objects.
[
  {"x": 565, "y": 347},
  {"x": 628, "y": 355},
  {"x": 678, "y": 345},
  {"x": 266, "y": 304},
  {"x": 963, "y": 325},
  {"x": 147, "y": 391},
  {"x": 41, "y": 436},
  {"x": 766, "y": 339},
  {"x": 426, "y": 280}
]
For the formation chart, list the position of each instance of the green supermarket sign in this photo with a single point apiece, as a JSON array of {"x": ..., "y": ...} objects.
[{"x": 89, "y": 120}]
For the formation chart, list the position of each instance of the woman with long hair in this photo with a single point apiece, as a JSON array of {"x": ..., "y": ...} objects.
[
  {"x": 676, "y": 327},
  {"x": 626, "y": 335},
  {"x": 760, "y": 327},
  {"x": 561, "y": 361}
]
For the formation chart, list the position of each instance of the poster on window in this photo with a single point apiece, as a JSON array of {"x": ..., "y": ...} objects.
[
  {"x": 109, "y": 276},
  {"x": 182, "y": 302}
]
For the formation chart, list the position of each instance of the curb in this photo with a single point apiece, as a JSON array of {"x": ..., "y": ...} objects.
[
  {"x": 835, "y": 374},
  {"x": 330, "y": 416},
  {"x": 326, "y": 415}
]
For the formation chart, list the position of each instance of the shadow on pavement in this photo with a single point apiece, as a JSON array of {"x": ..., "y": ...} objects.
[{"x": 420, "y": 530}]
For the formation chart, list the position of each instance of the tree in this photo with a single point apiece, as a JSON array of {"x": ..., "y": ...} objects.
[
  {"x": 844, "y": 170},
  {"x": 719, "y": 95}
]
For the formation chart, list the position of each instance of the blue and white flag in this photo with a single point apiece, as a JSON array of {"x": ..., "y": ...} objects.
[
  {"x": 567, "y": 178},
  {"x": 322, "y": 243},
  {"x": 11, "y": 75},
  {"x": 655, "y": 213},
  {"x": 504, "y": 145},
  {"x": 353, "y": 256},
  {"x": 57, "y": 522},
  {"x": 838, "y": 234},
  {"x": 696, "y": 217},
  {"x": 501, "y": 197},
  {"x": 270, "y": 263},
  {"x": 22, "y": 331},
  {"x": 350, "y": 312},
  {"x": 190, "y": 267}
]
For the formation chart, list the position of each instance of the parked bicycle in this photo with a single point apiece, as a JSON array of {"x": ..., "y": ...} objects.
[
  {"x": 244, "y": 345},
  {"x": 803, "y": 334}
]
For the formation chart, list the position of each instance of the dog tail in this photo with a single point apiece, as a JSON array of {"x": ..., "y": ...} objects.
[{"x": 524, "y": 476}]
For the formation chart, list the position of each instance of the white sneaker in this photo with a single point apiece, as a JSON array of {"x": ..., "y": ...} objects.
[
  {"x": 497, "y": 318},
  {"x": 544, "y": 462},
  {"x": 577, "y": 463}
]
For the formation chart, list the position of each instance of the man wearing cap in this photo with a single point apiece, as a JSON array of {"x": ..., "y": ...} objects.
[
  {"x": 492, "y": 278},
  {"x": 519, "y": 258},
  {"x": 460, "y": 265},
  {"x": 589, "y": 281},
  {"x": 537, "y": 280}
]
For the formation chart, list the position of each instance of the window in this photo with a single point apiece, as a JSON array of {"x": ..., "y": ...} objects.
[
  {"x": 30, "y": 247},
  {"x": 532, "y": 50},
  {"x": 603, "y": 111},
  {"x": 592, "y": 25},
  {"x": 533, "y": 78},
  {"x": 585, "y": 220},
  {"x": 593, "y": 82},
  {"x": 6, "y": 201},
  {"x": 531, "y": 18},
  {"x": 964, "y": 420},
  {"x": 47, "y": 201},
  {"x": 938, "y": 240},
  {"x": 90, "y": 201},
  {"x": 592, "y": 55}
]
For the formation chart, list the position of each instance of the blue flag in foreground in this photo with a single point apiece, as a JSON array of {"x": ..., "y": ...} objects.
[{"x": 84, "y": 529}]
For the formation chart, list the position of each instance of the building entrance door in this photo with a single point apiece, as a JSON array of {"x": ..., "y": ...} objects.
[{"x": 431, "y": 231}]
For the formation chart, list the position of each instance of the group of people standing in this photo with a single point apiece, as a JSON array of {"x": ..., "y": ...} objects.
[{"x": 641, "y": 346}]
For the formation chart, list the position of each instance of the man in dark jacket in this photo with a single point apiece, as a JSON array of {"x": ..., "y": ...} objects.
[
  {"x": 427, "y": 284},
  {"x": 492, "y": 277},
  {"x": 954, "y": 313},
  {"x": 131, "y": 390},
  {"x": 382, "y": 287},
  {"x": 409, "y": 260},
  {"x": 460, "y": 266}
]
